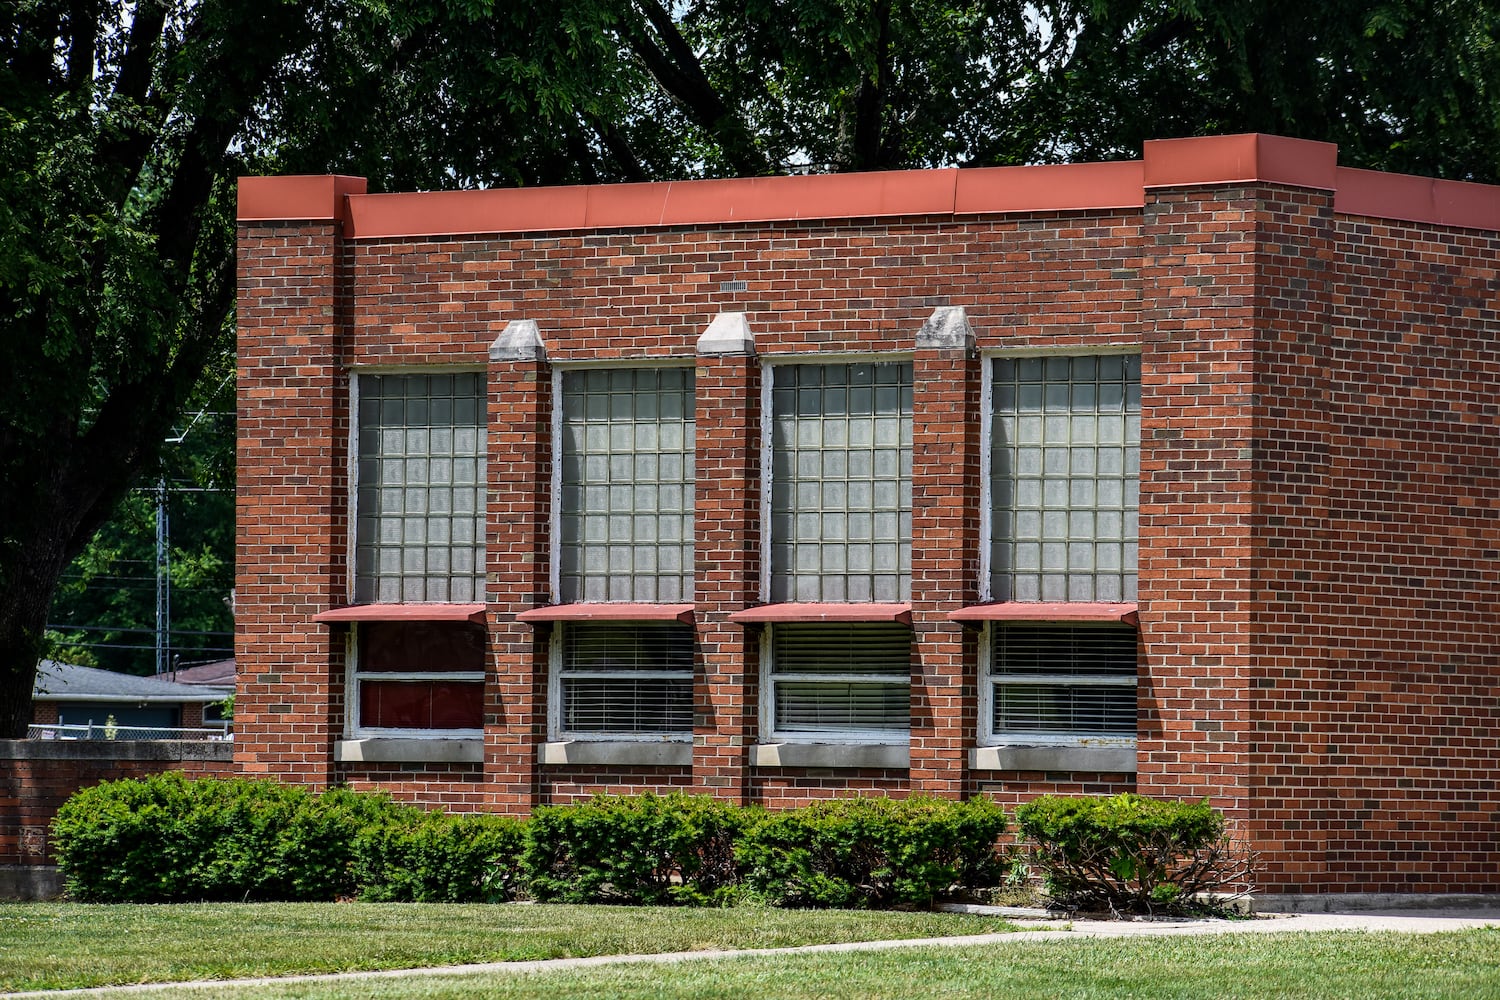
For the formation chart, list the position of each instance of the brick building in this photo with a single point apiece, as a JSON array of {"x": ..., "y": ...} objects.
[{"x": 1176, "y": 475}]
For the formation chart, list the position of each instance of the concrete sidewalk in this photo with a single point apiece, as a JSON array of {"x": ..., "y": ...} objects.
[{"x": 1407, "y": 921}]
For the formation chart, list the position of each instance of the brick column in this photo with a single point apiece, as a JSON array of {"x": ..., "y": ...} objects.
[
  {"x": 517, "y": 536},
  {"x": 1233, "y": 497},
  {"x": 726, "y": 556},
  {"x": 292, "y": 494},
  {"x": 944, "y": 552}
]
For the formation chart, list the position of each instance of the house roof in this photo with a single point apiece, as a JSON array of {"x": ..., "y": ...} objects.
[
  {"x": 70, "y": 682},
  {"x": 220, "y": 673}
]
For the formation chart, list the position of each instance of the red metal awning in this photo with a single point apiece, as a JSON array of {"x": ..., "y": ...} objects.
[
  {"x": 823, "y": 612},
  {"x": 403, "y": 613},
  {"x": 1036, "y": 611},
  {"x": 609, "y": 612}
]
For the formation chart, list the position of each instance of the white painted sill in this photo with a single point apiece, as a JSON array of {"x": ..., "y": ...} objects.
[
  {"x": 1116, "y": 759},
  {"x": 616, "y": 752},
  {"x": 397, "y": 750},
  {"x": 887, "y": 756}
]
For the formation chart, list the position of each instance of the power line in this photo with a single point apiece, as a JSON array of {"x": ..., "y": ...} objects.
[{"x": 142, "y": 631}]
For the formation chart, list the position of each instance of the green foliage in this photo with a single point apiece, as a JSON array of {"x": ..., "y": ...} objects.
[
  {"x": 168, "y": 838},
  {"x": 872, "y": 852},
  {"x": 438, "y": 858},
  {"x": 641, "y": 849},
  {"x": 1130, "y": 853}
]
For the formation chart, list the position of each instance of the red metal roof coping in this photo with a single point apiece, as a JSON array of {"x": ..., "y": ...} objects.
[
  {"x": 1204, "y": 160},
  {"x": 811, "y": 612},
  {"x": 313, "y": 197},
  {"x": 1038, "y": 611},
  {"x": 1226, "y": 159},
  {"x": 609, "y": 612},
  {"x": 403, "y": 613},
  {"x": 1417, "y": 199}
]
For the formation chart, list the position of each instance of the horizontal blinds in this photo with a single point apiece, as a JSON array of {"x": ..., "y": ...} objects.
[
  {"x": 833, "y": 677},
  {"x": 1057, "y": 648},
  {"x": 1055, "y": 708},
  {"x": 834, "y": 705},
  {"x": 1052, "y": 678},
  {"x": 842, "y": 648},
  {"x": 627, "y": 705},
  {"x": 631, "y": 678},
  {"x": 628, "y": 646}
]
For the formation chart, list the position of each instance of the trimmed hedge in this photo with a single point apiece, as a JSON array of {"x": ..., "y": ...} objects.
[
  {"x": 170, "y": 839},
  {"x": 440, "y": 858},
  {"x": 647, "y": 849},
  {"x": 872, "y": 852},
  {"x": 1132, "y": 854}
]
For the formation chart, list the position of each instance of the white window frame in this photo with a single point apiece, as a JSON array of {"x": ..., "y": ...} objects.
[
  {"x": 767, "y": 385},
  {"x": 356, "y": 372},
  {"x": 769, "y": 678},
  {"x": 354, "y": 676},
  {"x": 555, "y": 676},
  {"x": 989, "y": 681},
  {"x": 986, "y": 439},
  {"x": 554, "y": 541}
]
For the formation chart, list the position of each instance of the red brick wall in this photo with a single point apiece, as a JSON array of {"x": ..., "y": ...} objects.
[
  {"x": 291, "y": 509},
  {"x": 1319, "y": 474},
  {"x": 38, "y": 776}
]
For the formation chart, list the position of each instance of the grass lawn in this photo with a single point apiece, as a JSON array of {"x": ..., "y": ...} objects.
[
  {"x": 1463, "y": 965},
  {"x": 51, "y": 945}
]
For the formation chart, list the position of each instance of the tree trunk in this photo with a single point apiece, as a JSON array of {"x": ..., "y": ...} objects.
[{"x": 30, "y": 581}]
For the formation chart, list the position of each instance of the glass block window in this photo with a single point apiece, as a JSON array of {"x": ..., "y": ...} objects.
[
  {"x": 841, "y": 482},
  {"x": 1065, "y": 452},
  {"x": 625, "y": 526},
  {"x": 426, "y": 676},
  {"x": 836, "y": 679},
  {"x": 419, "y": 503},
  {"x": 1059, "y": 679},
  {"x": 624, "y": 679}
]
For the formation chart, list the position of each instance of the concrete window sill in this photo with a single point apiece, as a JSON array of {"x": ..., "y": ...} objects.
[
  {"x": 388, "y": 750},
  {"x": 889, "y": 756},
  {"x": 616, "y": 752},
  {"x": 1115, "y": 759}
]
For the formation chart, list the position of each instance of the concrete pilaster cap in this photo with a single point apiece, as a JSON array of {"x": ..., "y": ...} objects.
[
  {"x": 947, "y": 328},
  {"x": 521, "y": 340},
  {"x": 729, "y": 333}
]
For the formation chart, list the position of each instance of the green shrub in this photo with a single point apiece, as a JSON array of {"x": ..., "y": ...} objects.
[
  {"x": 170, "y": 839},
  {"x": 1131, "y": 853},
  {"x": 439, "y": 858},
  {"x": 649, "y": 849},
  {"x": 872, "y": 852}
]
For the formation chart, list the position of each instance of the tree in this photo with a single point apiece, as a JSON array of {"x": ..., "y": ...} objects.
[{"x": 122, "y": 129}]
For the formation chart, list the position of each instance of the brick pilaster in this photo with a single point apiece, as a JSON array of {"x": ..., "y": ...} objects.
[
  {"x": 519, "y": 471},
  {"x": 726, "y": 557},
  {"x": 944, "y": 552},
  {"x": 292, "y": 490}
]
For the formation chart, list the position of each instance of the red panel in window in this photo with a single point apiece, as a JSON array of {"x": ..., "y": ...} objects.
[
  {"x": 421, "y": 704},
  {"x": 408, "y": 646}
]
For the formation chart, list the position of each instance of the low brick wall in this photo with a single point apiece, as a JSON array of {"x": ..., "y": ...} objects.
[{"x": 38, "y": 776}]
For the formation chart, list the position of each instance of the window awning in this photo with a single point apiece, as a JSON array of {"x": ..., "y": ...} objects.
[
  {"x": 1036, "y": 611},
  {"x": 609, "y": 612},
  {"x": 823, "y": 612},
  {"x": 403, "y": 613}
]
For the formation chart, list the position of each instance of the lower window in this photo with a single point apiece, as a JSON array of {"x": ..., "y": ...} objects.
[
  {"x": 418, "y": 678},
  {"x": 833, "y": 681},
  {"x": 622, "y": 680},
  {"x": 1062, "y": 682}
]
